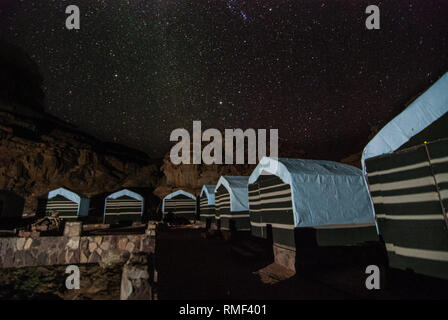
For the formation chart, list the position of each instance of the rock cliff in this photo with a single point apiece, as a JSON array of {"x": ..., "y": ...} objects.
[{"x": 39, "y": 153}]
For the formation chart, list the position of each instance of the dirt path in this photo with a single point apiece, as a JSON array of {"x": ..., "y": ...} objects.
[{"x": 191, "y": 267}]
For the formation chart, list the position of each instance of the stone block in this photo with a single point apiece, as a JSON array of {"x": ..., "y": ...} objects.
[
  {"x": 130, "y": 246},
  {"x": 73, "y": 229},
  {"x": 122, "y": 243},
  {"x": 285, "y": 257},
  {"x": 28, "y": 243},
  {"x": 136, "y": 281}
]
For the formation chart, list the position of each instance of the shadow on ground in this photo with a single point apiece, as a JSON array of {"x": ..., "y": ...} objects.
[{"x": 193, "y": 267}]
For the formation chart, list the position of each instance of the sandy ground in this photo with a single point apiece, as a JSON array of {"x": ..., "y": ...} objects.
[{"x": 192, "y": 267}]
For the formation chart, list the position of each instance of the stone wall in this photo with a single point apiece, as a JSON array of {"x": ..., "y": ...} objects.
[{"x": 72, "y": 249}]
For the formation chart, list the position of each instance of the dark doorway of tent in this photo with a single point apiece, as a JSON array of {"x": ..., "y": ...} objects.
[{"x": 11, "y": 208}]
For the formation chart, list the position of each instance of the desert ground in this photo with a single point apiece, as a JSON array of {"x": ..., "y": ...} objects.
[{"x": 197, "y": 265}]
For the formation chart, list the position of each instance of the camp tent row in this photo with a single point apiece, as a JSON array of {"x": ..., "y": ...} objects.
[
  {"x": 123, "y": 205},
  {"x": 403, "y": 188},
  {"x": 406, "y": 171},
  {"x": 406, "y": 165}
]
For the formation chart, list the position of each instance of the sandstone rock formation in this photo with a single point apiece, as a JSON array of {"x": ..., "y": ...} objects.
[
  {"x": 39, "y": 153},
  {"x": 191, "y": 177}
]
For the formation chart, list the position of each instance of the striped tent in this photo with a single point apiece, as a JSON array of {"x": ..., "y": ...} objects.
[
  {"x": 123, "y": 206},
  {"x": 232, "y": 203},
  {"x": 68, "y": 204},
  {"x": 207, "y": 204},
  {"x": 298, "y": 202},
  {"x": 406, "y": 165},
  {"x": 181, "y": 204}
]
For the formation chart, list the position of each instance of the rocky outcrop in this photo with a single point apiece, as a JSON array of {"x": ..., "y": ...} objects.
[
  {"x": 353, "y": 160},
  {"x": 191, "y": 177},
  {"x": 39, "y": 153}
]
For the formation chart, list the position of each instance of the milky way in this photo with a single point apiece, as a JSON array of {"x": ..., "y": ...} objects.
[{"x": 136, "y": 70}]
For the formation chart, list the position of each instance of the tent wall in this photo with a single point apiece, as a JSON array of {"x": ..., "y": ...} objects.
[
  {"x": 271, "y": 214},
  {"x": 410, "y": 209},
  {"x": 207, "y": 211},
  {"x": 181, "y": 206},
  {"x": 226, "y": 219},
  {"x": 68, "y": 210},
  {"x": 122, "y": 209}
]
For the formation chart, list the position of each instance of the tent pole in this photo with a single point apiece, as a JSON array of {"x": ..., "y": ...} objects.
[{"x": 435, "y": 182}]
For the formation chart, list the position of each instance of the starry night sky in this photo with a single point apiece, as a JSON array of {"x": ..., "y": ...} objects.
[{"x": 138, "y": 69}]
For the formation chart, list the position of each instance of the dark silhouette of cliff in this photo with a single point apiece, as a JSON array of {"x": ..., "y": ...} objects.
[
  {"x": 39, "y": 152},
  {"x": 20, "y": 79}
]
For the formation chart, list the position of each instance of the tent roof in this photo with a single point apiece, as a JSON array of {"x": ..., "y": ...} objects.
[
  {"x": 237, "y": 188},
  {"x": 322, "y": 192},
  {"x": 66, "y": 194},
  {"x": 209, "y": 190},
  {"x": 125, "y": 192},
  {"x": 426, "y": 109},
  {"x": 176, "y": 193},
  {"x": 83, "y": 203}
]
